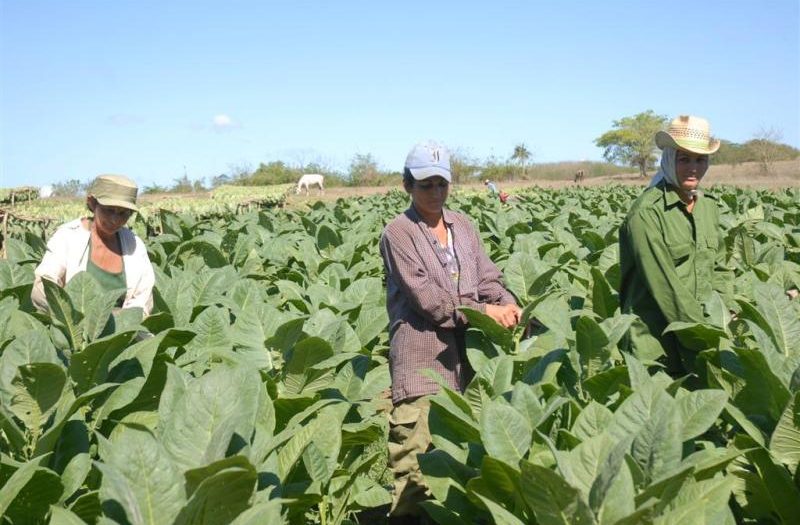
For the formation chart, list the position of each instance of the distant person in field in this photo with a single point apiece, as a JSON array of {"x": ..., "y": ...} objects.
[
  {"x": 670, "y": 244},
  {"x": 434, "y": 262},
  {"x": 579, "y": 176},
  {"x": 102, "y": 246},
  {"x": 491, "y": 186}
]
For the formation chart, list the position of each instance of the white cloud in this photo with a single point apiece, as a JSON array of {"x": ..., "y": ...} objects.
[{"x": 223, "y": 122}]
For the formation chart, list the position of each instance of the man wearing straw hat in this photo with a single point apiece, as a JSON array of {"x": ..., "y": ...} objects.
[
  {"x": 670, "y": 243},
  {"x": 102, "y": 246}
]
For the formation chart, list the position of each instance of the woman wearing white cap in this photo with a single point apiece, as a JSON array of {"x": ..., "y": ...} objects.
[
  {"x": 670, "y": 243},
  {"x": 102, "y": 246},
  {"x": 434, "y": 262}
]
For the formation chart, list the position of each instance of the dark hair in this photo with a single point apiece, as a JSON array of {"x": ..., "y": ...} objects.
[{"x": 408, "y": 179}]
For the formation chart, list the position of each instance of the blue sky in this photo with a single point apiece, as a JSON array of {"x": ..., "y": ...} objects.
[{"x": 152, "y": 88}]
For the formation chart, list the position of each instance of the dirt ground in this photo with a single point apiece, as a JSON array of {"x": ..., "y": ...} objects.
[{"x": 784, "y": 174}]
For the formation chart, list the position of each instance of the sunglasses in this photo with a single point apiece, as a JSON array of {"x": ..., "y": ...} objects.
[{"x": 427, "y": 186}]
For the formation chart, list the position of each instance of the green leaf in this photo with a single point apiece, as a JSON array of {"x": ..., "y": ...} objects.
[
  {"x": 493, "y": 330},
  {"x": 763, "y": 394},
  {"x": 784, "y": 445},
  {"x": 269, "y": 512},
  {"x": 31, "y": 347},
  {"x": 62, "y": 516},
  {"x": 592, "y": 346},
  {"x": 698, "y": 410},
  {"x": 500, "y": 515},
  {"x": 782, "y": 316},
  {"x": 505, "y": 432},
  {"x": 27, "y": 493},
  {"x": 327, "y": 238},
  {"x": 592, "y": 421},
  {"x": 553, "y": 500},
  {"x": 604, "y": 301},
  {"x": 93, "y": 301},
  {"x": 447, "y": 479},
  {"x": 64, "y": 313},
  {"x": 300, "y": 374},
  {"x": 89, "y": 367},
  {"x": 210, "y": 254},
  {"x": 139, "y": 476},
  {"x": 199, "y": 425},
  {"x": 696, "y": 336},
  {"x": 38, "y": 388}
]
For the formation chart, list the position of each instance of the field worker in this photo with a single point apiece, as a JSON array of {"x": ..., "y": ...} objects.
[
  {"x": 670, "y": 242},
  {"x": 102, "y": 246},
  {"x": 491, "y": 186},
  {"x": 434, "y": 262}
]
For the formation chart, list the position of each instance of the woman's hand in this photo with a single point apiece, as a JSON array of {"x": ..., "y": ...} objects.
[{"x": 506, "y": 315}]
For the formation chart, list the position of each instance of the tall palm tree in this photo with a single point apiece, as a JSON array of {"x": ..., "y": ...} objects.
[{"x": 521, "y": 156}]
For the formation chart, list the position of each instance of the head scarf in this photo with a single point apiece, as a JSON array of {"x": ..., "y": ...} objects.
[{"x": 666, "y": 171}]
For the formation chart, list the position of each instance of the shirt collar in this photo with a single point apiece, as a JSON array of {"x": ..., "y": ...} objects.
[{"x": 447, "y": 215}]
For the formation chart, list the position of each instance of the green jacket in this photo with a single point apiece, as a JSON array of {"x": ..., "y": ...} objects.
[{"x": 667, "y": 261}]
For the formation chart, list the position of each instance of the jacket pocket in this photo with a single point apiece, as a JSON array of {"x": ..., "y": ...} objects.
[{"x": 680, "y": 252}]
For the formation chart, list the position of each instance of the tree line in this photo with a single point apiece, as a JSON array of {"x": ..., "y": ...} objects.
[{"x": 627, "y": 145}]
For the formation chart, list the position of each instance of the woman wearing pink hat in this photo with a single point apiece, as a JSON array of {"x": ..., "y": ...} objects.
[
  {"x": 102, "y": 246},
  {"x": 670, "y": 243}
]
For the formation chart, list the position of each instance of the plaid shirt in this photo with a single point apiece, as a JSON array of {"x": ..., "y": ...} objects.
[{"x": 422, "y": 295}]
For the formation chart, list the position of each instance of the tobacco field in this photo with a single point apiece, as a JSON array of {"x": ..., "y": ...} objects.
[{"x": 256, "y": 391}]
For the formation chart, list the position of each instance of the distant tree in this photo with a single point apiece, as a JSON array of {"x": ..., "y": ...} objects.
[
  {"x": 731, "y": 153},
  {"x": 631, "y": 141},
  {"x": 462, "y": 167},
  {"x": 182, "y": 185},
  {"x": 220, "y": 180},
  {"x": 275, "y": 172},
  {"x": 766, "y": 147},
  {"x": 239, "y": 170},
  {"x": 198, "y": 186},
  {"x": 363, "y": 170},
  {"x": 70, "y": 188},
  {"x": 520, "y": 156},
  {"x": 155, "y": 188}
]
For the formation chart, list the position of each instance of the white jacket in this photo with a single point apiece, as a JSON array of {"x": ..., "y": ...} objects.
[{"x": 68, "y": 252}]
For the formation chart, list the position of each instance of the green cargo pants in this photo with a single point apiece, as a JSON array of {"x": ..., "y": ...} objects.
[{"x": 408, "y": 436}]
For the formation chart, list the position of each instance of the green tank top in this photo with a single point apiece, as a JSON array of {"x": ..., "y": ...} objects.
[{"x": 108, "y": 280}]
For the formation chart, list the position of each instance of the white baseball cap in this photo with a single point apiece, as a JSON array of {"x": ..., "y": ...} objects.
[{"x": 429, "y": 159}]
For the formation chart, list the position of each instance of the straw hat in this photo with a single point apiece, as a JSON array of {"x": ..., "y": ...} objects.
[
  {"x": 115, "y": 190},
  {"x": 688, "y": 133}
]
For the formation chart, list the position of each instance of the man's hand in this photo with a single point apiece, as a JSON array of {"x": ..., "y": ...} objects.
[
  {"x": 792, "y": 293},
  {"x": 506, "y": 315}
]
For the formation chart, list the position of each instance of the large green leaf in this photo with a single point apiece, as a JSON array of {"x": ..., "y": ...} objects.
[
  {"x": 698, "y": 410},
  {"x": 31, "y": 347},
  {"x": 500, "y": 515},
  {"x": 784, "y": 445},
  {"x": 604, "y": 301},
  {"x": 89, "y": 367},
  {"x": 220, "y": 497},
  {"x": 505, "y": 432},
  {"x": 200, "y": 423},
  {"x": 64, "y": 313},
  {"x": 782, "y": 315},
  {"x": 93, "y": 301},
  {"x": 592, "y": 345},
  {"x": 764, "y": 395},
  {"x": 37, "y": 390},
  {"x": 552, "y": 499},
  {"x": 592, "y": 421},
  {"x": 447, "y": 479},
  {"x": 26, "y": 495},
  {"x": 300, "y": 374}
]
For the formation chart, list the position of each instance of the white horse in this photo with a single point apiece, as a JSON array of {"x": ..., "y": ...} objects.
[{"x": 308, "y": 180}]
